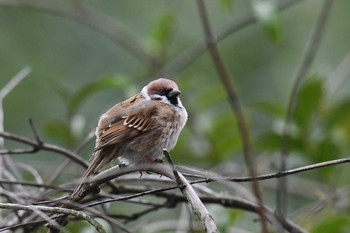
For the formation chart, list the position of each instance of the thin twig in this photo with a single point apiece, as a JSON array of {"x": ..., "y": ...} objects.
[
  {"x": 62, "y": 166},
  {"x": 187, "y": 189},
  {"x": 118, "y": 172},
  {"x": 171, "y": 163},
  {"x": 236, "y": 106},
  {"x": 14, "y": 82},
  {"x": 192, "y": 197},
  {"x": 115, "y": 172},
  {"x": 35, "y": 132},
  {"x": 5, "y": 90},
  {"x": 223, "y": 200},
  {"x": 309, "y": 56},
  {"x": 36, "y": 185},
  {"x": 138, "y": 215},
  {"x": 279, "y": 174},
  {"x": 55, "y": 210},
  {"x": 41, "y": 146}
]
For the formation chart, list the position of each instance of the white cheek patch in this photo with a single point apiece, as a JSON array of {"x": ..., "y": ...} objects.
[{"x": 144, "y": 93}]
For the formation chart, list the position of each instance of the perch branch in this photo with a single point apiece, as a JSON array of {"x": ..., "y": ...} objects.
[{"x": 189, "y": 193}]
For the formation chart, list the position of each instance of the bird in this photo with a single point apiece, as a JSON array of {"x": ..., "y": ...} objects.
[{"x": 136, "y": 130}]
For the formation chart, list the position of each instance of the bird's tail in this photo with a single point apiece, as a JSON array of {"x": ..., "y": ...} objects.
[
  {"x": 95, "y": 165},
  {"x": 98, "y": 160}
]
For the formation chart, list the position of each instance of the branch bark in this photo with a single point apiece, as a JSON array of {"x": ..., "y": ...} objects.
[
  {"x": 55, "y": 210},
  {"x": 236, "y": 106}
]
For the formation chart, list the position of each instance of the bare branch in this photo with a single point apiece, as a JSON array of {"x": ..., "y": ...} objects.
[
  {"x": 37, "y": 146},
  {"x": 235, "y": 104},
  {"x": 32, "y": 185},
  {"x": 14, "y": 81},
  {"x": 35, "y": 132},
  {"x": 192, "y": 197},
  {"x": 309, "y": 56},
  {"x": 219, "y": 199},
  {"x": 184, "y": 186},
  {"x": 172, "y": 166},
  {"x": 197, "y": 205},
  {"x": 55, "y": 210}
]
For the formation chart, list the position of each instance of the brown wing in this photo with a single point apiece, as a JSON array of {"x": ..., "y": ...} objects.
[
  {"x": 124, "y": 129},
  {"x": 125, "y": 121}
]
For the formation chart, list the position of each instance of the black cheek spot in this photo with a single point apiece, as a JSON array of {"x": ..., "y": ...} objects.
[{"x": 174, "y": 101}]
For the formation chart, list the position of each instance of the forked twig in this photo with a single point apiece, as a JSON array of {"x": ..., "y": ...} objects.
[
  {"x": 197, "y": 205},
  {"x": 37, "y": 145}
]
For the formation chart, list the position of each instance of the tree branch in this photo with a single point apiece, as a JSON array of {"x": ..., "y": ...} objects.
[
  {"x": 309, "y": 56},
  {"x": 55, "y": 210},
  {"x": 192, "y": 198},
  {"x": 38, "y": 145},
  {"x": 236, "y": 106}
]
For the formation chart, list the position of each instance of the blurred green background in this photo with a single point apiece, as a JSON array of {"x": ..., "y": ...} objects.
[{"x": 86, "y": 56}]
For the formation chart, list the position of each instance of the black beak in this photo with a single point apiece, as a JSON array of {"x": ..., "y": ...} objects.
[{"x": 173, "y": 94}]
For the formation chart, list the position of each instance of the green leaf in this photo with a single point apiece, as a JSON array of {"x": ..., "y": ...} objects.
[
  {"x": 309, "y": 100},
  {"x": 225, "y": 128},
  {"x": 338, "y": 121},
  {"x": 270, "y": 108},
  {"x": 162, "y": 33},
  {"x": 59, "y": 130},
  {"x": 110, "y": 81},
  {"x": 267, "y": 13},
  {"x": 211, "y": 96},
  {"x": 273, "y": 142},
  {"x": 326, "y": 150},
  {"x": 61, "y": 89},
  {"x": 273, "y": 28},
  {"x": 339, "y": 114}
]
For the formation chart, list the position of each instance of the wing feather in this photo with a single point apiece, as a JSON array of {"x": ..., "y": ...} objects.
[{"x": 126, "y": 123}]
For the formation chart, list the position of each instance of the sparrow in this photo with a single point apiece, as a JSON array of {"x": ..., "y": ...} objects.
[{"x": 137, "y": 130}]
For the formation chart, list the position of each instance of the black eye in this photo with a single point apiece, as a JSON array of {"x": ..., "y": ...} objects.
[
  {"x": 162, "y": 92},
  {"x": 170, "y": 94}
]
